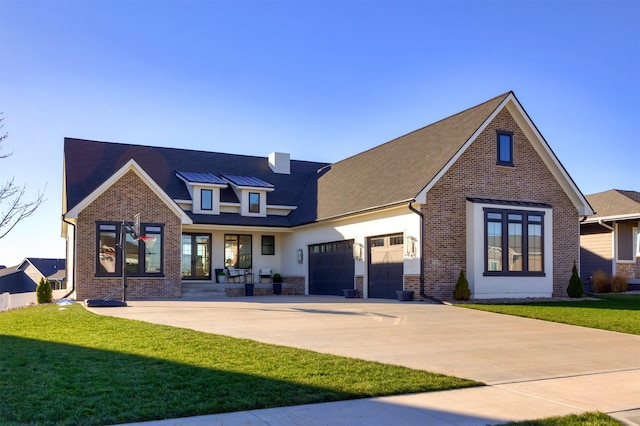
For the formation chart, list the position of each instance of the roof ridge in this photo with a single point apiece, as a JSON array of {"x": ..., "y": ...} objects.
[
  {"x": 67, "y": 138},
  {"x": 503, "y": 95}
]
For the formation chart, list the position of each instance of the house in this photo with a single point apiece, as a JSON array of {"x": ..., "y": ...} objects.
[
  {"x": 609, "y": 238},
  {"x": 24, "y": 278},
  {"x": 480, "y": 191}
]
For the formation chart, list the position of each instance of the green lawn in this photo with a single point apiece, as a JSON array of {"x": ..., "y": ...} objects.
[
  {"x": 614, "y": 312},
  {"x": 65, "y": 365},
  {"x": 586, "y": 419}
]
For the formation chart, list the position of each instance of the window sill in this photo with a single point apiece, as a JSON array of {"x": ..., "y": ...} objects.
[
  {"x": 157, "y": 276},
  {"x": 513, "y": 274}
]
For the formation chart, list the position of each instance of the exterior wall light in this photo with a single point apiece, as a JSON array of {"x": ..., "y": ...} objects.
[
  {"x": 358, "y": 251},
  {"x": 299, "y": 256}
]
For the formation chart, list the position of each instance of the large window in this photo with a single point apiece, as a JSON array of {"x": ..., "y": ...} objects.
[
  {"x": 237, "y": 251},
  {"x": 144, "y": 257},
  {"x": 505, "y": 148},
  {"x": 513, "y": 242}
]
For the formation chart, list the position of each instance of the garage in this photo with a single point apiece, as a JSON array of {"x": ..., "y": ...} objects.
[
  {"x": 386, "y": 265},
  {"x": 331, "y": 267}
]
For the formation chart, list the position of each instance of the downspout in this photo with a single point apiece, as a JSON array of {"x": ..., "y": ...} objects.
[
  {"x": 422, "y": 293},
  {"x": 73, "y": 283},
  {"x": 614, "y": 266}
]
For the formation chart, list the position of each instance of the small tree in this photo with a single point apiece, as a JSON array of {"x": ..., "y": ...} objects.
[
  {"x": 44, "y": 293},
  {"x": 575, "y": 283},
  {"x": 462, "y": 292},
  {"x": 13, "y": 206}
]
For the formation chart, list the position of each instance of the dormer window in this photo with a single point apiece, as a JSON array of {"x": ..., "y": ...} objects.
[
  {"x": 206, "y": 199},
  {"x": 252, "y": 193},
  {"x": 505, "y": 148},
  {"x": 204, "y": 189},
  {"x": 254, "y": 202}
]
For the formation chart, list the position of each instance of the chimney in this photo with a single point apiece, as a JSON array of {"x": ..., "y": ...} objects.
[{"x": 280, "y": 163}]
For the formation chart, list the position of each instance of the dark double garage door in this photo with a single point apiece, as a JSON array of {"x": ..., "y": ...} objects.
[{"x": 331, "y": 267}]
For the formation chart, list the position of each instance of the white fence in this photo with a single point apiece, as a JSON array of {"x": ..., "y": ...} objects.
[{"x": 17, "y": 300}]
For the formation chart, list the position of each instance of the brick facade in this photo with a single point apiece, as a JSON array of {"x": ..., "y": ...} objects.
[
  {"x": 126, "y": 197},
  {"x": 475, "y": 174}
]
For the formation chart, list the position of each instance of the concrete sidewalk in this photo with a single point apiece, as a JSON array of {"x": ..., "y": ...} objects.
[{"x": 534, "y": 369}]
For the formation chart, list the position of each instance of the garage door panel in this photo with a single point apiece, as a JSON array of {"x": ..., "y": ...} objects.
[
  {"x": 386, "y": 266},
  {"x": 331, "y": 267}
]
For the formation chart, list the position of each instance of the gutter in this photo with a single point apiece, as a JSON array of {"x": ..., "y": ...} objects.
[
  {"x": 422, "y": 293},
  {"x": 73, "y": 283}
]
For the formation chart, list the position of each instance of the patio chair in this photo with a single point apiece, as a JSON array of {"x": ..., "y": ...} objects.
[{"x": 266, "y": 274}]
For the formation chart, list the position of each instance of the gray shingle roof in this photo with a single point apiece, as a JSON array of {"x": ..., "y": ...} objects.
[
  {"x": 614, "y": 203},
  {"x": 388, "y": 174},
  {"x": 398, "y": 170},
  {"x": 88, "y": 164}
]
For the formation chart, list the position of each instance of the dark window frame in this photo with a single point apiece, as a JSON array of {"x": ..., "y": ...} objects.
[
  {"x": 505, "y": 221},
  {"x": 253, "y": 206},
  {"x": 499, "y": 160},
  {"x": 118, "y": 253},
  {"x": 268, "y": 245},
  {"x": 240, "y": 262},
  {"x": 202, "y": 206}
]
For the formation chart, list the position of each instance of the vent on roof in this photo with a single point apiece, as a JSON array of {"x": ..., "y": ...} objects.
[{"x": 280, "y": 163}]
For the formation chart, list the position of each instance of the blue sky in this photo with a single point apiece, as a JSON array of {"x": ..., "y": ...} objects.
[{"x": 320, "y": 80}]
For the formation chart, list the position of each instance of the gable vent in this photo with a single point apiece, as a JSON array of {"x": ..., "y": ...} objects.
[{"x": 280, "y": 163}]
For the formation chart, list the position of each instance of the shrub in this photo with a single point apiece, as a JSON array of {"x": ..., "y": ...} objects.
[
  {"x": 600, "y": 282},
  {"x": 277, "y": 278},
  {"x": 462, "y": 292},
  {"x": 575, "y": 283},
  {"x": 44, "y": 293},
  {"x": 619, "y": 284}
]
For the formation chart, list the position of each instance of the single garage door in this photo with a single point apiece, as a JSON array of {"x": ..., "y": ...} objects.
[
  {"x": 386, "y": 266},
  {"x": 331, "y": 267}
]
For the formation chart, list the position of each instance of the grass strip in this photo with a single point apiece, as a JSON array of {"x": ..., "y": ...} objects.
[
  {"x": 65, "y": 365},
  {"x": 586, "y": 419},
  {"x": 613, "y": 312}
]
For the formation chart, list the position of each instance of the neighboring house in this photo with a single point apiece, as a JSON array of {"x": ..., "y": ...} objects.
[
  {"x": 24, "y": 278},
  {"x": 480, "y": 191},
  {"x": 609, "y": 239}
]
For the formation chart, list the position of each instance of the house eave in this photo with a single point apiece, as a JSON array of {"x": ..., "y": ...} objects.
[
  {"x": 131, "y": 165},
  {"x": 615, "y": 218}
]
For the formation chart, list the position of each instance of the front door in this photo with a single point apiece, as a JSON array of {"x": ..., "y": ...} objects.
[{"x": 196, "y": 256}]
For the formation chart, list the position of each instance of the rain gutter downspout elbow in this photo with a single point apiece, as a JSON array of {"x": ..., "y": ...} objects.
[{"x": 604, "y": 225}]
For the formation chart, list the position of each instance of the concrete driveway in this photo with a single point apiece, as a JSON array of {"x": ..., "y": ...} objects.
[{"x": 549, "y": 368}]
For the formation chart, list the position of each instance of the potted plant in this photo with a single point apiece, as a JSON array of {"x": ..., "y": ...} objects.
[
  {"x": 277, "y": 284},
  {"x": 404, "y": 295},
  {"x": 349, "y": 293},
  {"x": 221, "y": 276}
]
